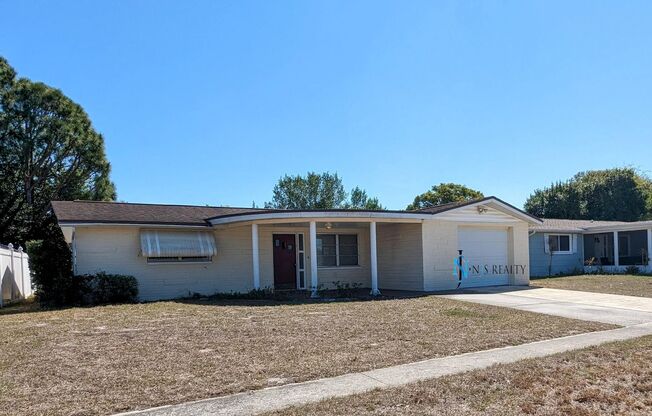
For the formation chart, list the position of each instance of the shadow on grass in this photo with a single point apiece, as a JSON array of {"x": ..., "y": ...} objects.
[
  {"x": 294, "y": 297},
  {"x": 485, "y": 289},
  {"x": 23, "y": 306}
]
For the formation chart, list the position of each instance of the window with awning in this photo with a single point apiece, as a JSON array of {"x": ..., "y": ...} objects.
[{"x": 160, "y": 246}]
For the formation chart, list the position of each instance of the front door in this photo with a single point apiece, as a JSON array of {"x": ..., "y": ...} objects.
[{"x": 285, "y": 261}]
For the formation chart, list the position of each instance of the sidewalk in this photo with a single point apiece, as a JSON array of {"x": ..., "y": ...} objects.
[{"x": 275, "y": 398}]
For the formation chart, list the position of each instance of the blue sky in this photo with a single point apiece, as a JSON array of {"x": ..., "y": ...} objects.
[{"x": 211, "y": 102}]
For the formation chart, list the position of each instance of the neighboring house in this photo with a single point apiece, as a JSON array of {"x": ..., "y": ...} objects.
[
  {"x": 175, "y": 251},
  {"x": 567, "y": 246}
]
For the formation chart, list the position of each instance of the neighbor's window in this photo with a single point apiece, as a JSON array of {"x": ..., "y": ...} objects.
[
  {"x": 190, "y": 259},
  {"x": 559, "y": 243},
  {"x": 623, "y": 246},
  {"x": 337, "y": 250}
]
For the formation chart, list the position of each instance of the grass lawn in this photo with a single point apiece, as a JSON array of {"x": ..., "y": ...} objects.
[
  {"x": 610, "y": 379},
  {"x": 114, "y": 358},
  {"x": 616, "y": 284}
]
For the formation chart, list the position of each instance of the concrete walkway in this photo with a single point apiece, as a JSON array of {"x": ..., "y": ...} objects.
[
  {"x": 632, "y": 312},
  {"x": 599, "y": 307}
]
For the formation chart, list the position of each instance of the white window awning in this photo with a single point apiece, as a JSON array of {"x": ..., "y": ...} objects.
[{"x": 157, "y": 243}]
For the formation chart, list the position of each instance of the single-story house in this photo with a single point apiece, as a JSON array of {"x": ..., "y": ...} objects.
[
  {"x": 177, "y": 250},
  {"x": 567, "y": 246}
]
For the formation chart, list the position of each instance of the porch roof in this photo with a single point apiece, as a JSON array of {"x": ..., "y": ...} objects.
[{"x": 357, "y": 215}]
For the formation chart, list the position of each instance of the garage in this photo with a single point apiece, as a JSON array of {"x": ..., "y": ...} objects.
[{"x": 486, "y": 252}]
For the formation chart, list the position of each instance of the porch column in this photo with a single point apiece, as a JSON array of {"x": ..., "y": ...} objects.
[
  {"x": 616, "y": 249},
  {"x": 255, "y": 255},
  {"x": 313, "y": 259},
  {"x": 649, "y": 247},
  {"x": 374, "y": 259}
]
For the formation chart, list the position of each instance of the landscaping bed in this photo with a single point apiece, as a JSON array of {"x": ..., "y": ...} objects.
[
  {"x": 614, "y": 378},
  {"x": 617, "y": 284},
  {"x": 101, "y": 360}
]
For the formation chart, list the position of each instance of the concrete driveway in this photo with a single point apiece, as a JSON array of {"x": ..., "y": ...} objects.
[{"x": 599, "y": 307}]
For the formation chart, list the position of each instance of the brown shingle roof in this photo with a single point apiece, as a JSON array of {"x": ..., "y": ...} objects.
[
  {"x": 128, "y": 213},
  {"x": 135, "y": 213}
]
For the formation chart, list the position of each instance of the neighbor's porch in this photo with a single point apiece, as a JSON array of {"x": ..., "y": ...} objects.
[
  {"x": 326, "y": 253},
  {"x": 614, "y": 251}
]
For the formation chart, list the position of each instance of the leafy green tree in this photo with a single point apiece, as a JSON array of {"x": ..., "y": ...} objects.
[
  {"x": 318, "y": 191},
  {"x": 620, "y": 194},
  {"x": 443, "y": 194},
  {"x": 314, "y": 191},
  {"x": 48, "y": 150},
  {"x": 560, "y": 200},
  {"x": 360, "y": 200}
]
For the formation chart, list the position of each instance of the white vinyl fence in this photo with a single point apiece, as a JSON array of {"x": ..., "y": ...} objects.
[{"x": 14, "y": 271}]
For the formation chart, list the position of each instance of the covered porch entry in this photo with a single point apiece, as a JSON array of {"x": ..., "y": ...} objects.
[
  {"x": 616, "y": 250},
  {"x": 328, "y": 253}
]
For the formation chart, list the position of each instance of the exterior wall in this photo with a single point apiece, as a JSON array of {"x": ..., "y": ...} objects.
[
  {"x": 439, "y": 241},
  {"x": 561, "y": 263},
  {"x": 410, "y": 257},
  {"x": 400, "y": 256},
  {"x": 440, "y": 245},
  {"x": 519, "y": 252},
  {"x": 117, "y": 250}
]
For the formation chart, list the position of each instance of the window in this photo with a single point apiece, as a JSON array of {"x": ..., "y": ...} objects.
[
  {"x": 623, "y": 246},
  {"x": 191, "y": 259},
  {"x": 301, "y": 253},
  {"x": 164, "y": 246},
  {"x": 337, "y": 250},
  {"x": 559, "y": 243}
]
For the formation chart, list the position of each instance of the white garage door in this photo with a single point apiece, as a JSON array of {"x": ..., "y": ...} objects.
[{"x": 485, "y": 250}]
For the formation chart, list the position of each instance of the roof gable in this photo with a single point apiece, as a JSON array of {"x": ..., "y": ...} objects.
[{"x": 489, "y": 209}]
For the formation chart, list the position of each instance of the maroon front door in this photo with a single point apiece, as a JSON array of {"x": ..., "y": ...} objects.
[{"x": 285, "y": 261}]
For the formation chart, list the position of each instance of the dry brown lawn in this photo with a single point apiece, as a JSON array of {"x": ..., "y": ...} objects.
[
  {"x": 630, "y": 285},
  {"x": 610, "y": 379},
  {"x": 101, "y": 360}
]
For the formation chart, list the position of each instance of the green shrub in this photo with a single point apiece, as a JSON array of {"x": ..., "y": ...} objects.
[
  {"x": 632, "y": 270},
  {"x": 254, "y": 294},
  {"x": 103, "y": 288},
  {"x": 346, "y": 289},
  {"x": 50, "y": 265}
]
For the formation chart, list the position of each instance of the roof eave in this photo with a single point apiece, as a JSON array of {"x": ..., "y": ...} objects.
[
  {"x": 88, "y": 223},
  {"x": 319, "y": 215}
]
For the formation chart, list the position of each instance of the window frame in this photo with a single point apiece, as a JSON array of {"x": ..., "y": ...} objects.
[
  {"x": 337, "y": 251},
  {"x": 171, "y": 260},
  {"x": 300, "y": 242},
  {"x": 558, "y": 236}
]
